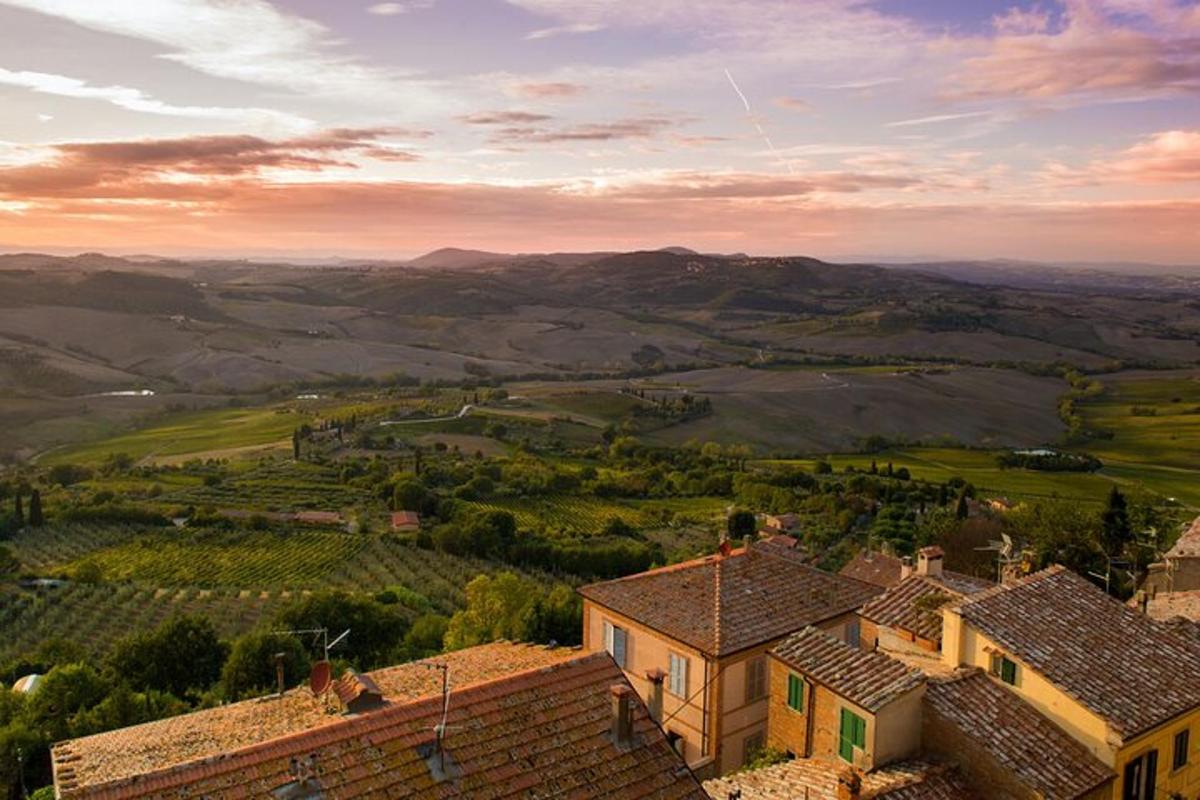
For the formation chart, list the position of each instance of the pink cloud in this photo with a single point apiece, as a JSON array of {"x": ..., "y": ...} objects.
[
  {"x": 1095, "y": 47},
  {"x": 550, "y": 89},
  {"x": 1165, "y": 157}
]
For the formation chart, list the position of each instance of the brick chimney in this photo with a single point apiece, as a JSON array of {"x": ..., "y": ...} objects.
[
  {"x": 929, "y": 561},
  {"x": 622, "y": 714},
  {"x": 906, "y": 567},
  {"x": 655, "y": 701}
]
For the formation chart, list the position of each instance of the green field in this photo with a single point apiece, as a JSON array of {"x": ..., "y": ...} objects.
[{"x": 588, "y": 515}]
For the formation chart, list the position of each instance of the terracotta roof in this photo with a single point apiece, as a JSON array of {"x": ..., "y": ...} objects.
[
  {"x": 1038, "y": 753},
  {"x": 877, "y": 568},
  {"x": 914, "y": 605},
  {"x": 870, "y": 679},
  {"x": 405, "y": 519},
  {"x": 1188, "y": 543},
  {"x": 1132, "y": 671},
  {"x": 722, "y": 604},
  {"x": 815, "y": 779},
  {"x": 537, "y": 734},
  {"x": 205, "y": 734},
  {"x": 884, "y": 570}
]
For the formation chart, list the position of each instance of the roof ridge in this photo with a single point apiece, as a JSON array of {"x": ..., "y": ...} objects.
[
  {"x": 1003, "y": 588},
  {"x": 717, "y": 607},
  {"x": 692, "y": 563},
  {"x": 398, "y": 711}
]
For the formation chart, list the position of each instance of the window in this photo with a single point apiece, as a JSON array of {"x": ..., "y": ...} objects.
[
  {"x": 795, "y": 699},
  {"x": 1180, "y": 759},
  {"x": 853, "y": 633},
  {"x": 1004, "y": 668},
  {"x": 751, "y": 746},
  {"x": 1140, "y": 776},
  {"x": 677, "y": 674},
  {"x": 756, "y": 679},
  {"x": 615, "y": 642},
  {"x": 852, "y": 734}
]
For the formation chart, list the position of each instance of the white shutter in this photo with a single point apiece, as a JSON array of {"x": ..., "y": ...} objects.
[
  {"x": 608, "y": 637},
  {"x": 678, "y": 675},
  {"x": 618, "y": 649}
]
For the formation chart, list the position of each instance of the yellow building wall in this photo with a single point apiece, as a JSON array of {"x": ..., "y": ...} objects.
[
  {"x": 963, "y": 645},
  {"x": 647, "y": 650},
  {"x": 1185, "y": 780}
]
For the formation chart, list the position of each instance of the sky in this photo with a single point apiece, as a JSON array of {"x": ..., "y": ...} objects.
[{"x": 898, "y": 129}]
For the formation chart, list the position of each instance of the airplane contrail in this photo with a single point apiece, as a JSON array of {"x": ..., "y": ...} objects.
[{"x": 753, "y": 119}]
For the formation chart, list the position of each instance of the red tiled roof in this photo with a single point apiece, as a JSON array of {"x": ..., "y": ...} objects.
[
  {"x": 877, "y": 568},
  {"x": 1038, "y": 753},
  {"x": 815, "y": 779},
  {"x": 405, "y": 519},
  {"x": 723, "y": 604},
  {"x": 1132, "y": 671},
  {"x": 913, "y": 605},
  {"x": 209, "y": 733},
  {"x": 869, "y": 679},
  {"x": 884, "y": 570},
  {"x": 537, "y": 734}
]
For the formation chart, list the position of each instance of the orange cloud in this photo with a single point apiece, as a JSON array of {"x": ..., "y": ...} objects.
[{"x": 1165, "y": 157}]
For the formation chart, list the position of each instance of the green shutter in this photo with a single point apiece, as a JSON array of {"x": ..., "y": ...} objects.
[
  {"x": 1008, "y": 672},
  {"x": 795, "y": 698},
  {"x": 845, "y": 737},
  {"x": 860, "y": 731}
]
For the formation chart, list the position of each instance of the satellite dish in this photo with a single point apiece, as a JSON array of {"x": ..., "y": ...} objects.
[{"x": 320, "y": 677}]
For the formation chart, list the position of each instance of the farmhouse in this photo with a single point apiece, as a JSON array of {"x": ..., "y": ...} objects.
[
  {"x": 521, "y": 722},
  {"x": 405, "y": 521},
  {"x": 693, "y": 639}
]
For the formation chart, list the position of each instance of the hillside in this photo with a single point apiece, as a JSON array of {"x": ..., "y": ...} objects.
[{"x": 196, "y": 332}]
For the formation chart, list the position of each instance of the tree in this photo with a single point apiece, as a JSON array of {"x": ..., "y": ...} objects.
[
  {"x": 741, "y": 523},
  {"x": 426, "y": 635},
  {"x": 1116, "y": 533},
  {"x": 9, "y": 564},
  {"x": 375, "y": 629},
  {"x": 409, "y": 496},
  {"x": 181, "y": 655},
  {"x": 495, "y": 610},
  {"x": 250, "y": 668},
  {"x": 64, "y": 692},
  {"x": 18, "y": 511},
  {"x": 962, "y": 510},
  {"x": 36, "y": 519},
  {"x": 557, "y": 617}
]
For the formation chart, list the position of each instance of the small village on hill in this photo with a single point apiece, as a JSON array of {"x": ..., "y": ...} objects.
[{"x": 746, "y": 674}]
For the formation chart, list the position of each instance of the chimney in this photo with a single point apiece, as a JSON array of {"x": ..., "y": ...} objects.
[
  {"x": 655, "y": 701},
  {"x": 906, "y": 567},
  {"x": 279, "y": 657},
  {"x": 1143, "y": 600},
  {"x": 622, "y": 714},
  {"x": 929, "y": 561}
]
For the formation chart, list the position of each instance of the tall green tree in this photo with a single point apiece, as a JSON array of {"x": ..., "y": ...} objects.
[
  {"x": 182, "y": 655},
  {"x": 250, "y": 668},
  {"x": 1116, "y": 533},
  {"x": 36, "y": 519}
]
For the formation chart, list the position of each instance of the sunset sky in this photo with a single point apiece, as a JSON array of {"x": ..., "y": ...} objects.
[{"x": 923, "y": 129}]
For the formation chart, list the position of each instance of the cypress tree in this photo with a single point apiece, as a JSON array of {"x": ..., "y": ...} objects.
[
  {"x": 35, "y": 509},
  {"x": 18, "y": 510},
  {"x": 962, "y": 510}
]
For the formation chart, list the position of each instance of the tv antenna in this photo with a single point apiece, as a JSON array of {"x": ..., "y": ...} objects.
[
  {"x": 318, "y": 633},
  {"x": 439, "y": 730},
  {"x": 1005, "y": 554}
]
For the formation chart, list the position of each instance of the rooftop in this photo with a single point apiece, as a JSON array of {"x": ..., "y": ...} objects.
[
  {"x": 204, "y": 734},
  {"x": 725, "y": 603},
  {"x": 914, "y": 605},
  {"x": 1033, "y": 749},
  {"x": 544, "y": 732},
  {"x": 815, "y": 779},
  {"x": 885, "y": 570},
  {"x": 1167, "y": 605},
  {"x": 1130, "y": 670},
  {"x": 869, "y": 679},
  {"x": 1188, "y": 543}
]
